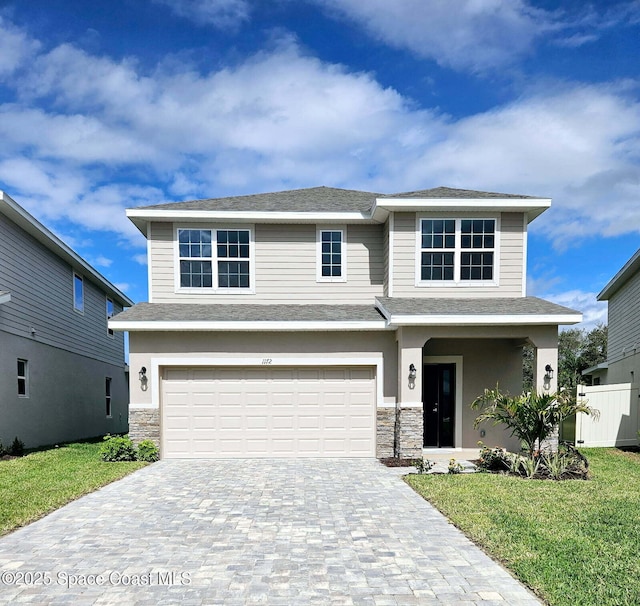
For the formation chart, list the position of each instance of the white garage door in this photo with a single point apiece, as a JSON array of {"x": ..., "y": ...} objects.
[{"x": 226, "y": 412}]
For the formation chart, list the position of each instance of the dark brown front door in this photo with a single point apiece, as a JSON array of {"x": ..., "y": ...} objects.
[{"x": 439, "y": 402}]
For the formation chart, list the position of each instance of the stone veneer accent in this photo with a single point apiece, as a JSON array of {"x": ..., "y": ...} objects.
[
  {"x": 410, "y": 432},
  {"x": 144, "y": 424},
  {"x": 385, "y": 432}
]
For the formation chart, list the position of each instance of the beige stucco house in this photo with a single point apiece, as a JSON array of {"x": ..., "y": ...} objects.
[
  {"x": 62, "y": 369},
  {"x": 327, "y": 322}
]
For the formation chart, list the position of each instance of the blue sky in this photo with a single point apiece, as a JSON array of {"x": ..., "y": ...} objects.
[{"x": 110, "y": 105}]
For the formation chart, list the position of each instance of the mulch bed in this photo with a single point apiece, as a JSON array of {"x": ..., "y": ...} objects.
[{"x": 396, "y": 462}]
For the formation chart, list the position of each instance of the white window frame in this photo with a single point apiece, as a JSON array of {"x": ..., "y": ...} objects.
[
  {"x": 109, "y": 315},
  {"x": 77, "y": 276},
  {"x": 457, "y": 282},
  {"x": 108, "y": 399},
  {"x": 343, "y": 253},
  {"x": 214, "y": 288},
  {"x": 24, "y": 377}
]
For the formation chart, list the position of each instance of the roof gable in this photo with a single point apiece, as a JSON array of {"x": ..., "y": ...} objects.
[
  {"x": 631, "y": 267},
  {"x": 20, "y": 217}
]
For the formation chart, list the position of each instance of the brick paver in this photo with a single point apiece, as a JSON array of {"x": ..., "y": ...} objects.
[{"x": 337, "y": 532}]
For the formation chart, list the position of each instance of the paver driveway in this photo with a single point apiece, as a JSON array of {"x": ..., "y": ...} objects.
[{"x": 251, "y": 532}]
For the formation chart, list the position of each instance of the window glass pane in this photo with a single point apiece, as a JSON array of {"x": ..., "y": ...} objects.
[
  {"x": 195, "y": 274},
  {"x": 438, "y": 233},
  {"x": 489, "y": 241},
  {"x": 78, "y": 292},
  {"x": 233, "y": 274},
  {"x": 22, "y": 387},
  {"x": 326, "y": 271},
  {"x": 476, "y": 266},
  {"x": 437, "y": 266}
]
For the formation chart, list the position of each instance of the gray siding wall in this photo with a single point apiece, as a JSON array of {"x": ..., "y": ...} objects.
[
  {"x": 66, "y": 394},
  {"x": 510, "y": 254},
  {"x": 41, "y": 287},
  {"x": 623, "y": 349},
  {"x": 285, "y": 267}
]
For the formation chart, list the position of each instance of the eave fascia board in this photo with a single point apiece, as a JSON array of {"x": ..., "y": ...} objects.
[
  {"x": 533, "y": 207},
  {"x": 630, "y": 267},
  {"x": 161, "y": 326},
  {"x": 18, "y": 215},
  {"x": 141, "y": 216},
  {"x": 396, "y": 320}
]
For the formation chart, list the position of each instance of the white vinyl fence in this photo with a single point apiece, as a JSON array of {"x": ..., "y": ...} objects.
[{"x": 618, "y": 423}]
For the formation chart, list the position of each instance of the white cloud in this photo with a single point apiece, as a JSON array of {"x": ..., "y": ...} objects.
[
  {"x": 219, "y": 13},
  {"x": 16, "y": 48},
  {"x": 141, "y": 259},
  {"x": 594, "y": 312},
  {"x": 86, "y": 137},
  {"x": 468, "y": 34}
]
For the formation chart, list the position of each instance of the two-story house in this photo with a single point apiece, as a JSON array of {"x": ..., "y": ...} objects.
[
  {"x": 333, "y": 323},
  {"x": 623, "y": 344},
  {"x": 62, "y": 369}
]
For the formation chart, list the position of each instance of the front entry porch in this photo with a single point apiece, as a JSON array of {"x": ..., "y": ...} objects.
[{"x": 454, "y": 365}]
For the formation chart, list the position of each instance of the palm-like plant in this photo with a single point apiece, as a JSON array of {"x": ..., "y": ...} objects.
[{"x": 531, "y": 417}]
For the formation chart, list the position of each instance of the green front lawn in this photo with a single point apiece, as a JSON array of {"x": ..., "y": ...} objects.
[
  {"x": 573, "y": 542},
  {"x": 40, "y": 482}
]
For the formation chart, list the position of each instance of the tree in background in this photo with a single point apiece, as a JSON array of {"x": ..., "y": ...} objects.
[{"x": 578, "y": 349}]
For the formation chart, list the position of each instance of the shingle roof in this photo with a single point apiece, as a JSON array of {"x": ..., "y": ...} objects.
[
  {"x": 296, "y": 200},
  {"x": 183, "y": 312},
  {"x": 449, "y": 192},
  {"x": 214, "y": 316},
  {"x": 472, "y": 306},
  {"x": 313, "y": 199}
]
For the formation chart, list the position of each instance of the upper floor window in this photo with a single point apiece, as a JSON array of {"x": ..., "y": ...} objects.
[
  {"x": 195, "y": 258},
  {"x": 331, "y": 261},
  {"x": 23, "y": 378},
  {"x": 109, "y": 310},
  {"x": 214, "y": 258},
  {"x": 233, "y": 258},
  {"x": 78, "y": 292},
  {"x": 457, "y": 250}
]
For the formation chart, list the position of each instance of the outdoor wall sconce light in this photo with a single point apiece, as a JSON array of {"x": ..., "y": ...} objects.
[
  {"x": 412, "y": 376},
  {"x": 549, "y": 371},
  {"x": 142, "y": 375}
]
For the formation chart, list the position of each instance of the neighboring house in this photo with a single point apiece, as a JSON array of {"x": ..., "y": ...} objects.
[
  {"x": 62, "y": 369},
  {"x": 616, "y": 382},
  {"x": 333, "y": 323},
  {"x": 623, "y": 343}
]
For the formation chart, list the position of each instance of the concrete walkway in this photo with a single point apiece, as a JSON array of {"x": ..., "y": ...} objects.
[{"x": 251, "y": 532}]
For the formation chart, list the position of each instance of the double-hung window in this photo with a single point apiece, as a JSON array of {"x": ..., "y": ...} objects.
[
  {"x": 214, "y": 259},
  {"x": 23, "y": 378},
  {"x": 107, "y": 396},
  {"x": 331, "y": 258},
  {"x": 457, "y": 251},
  {"x": 78, "y": 293},
  {"x": 233, "y": 258}
]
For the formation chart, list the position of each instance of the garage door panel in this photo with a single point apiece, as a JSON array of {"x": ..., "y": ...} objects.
[{"x": 260, "y": 412}]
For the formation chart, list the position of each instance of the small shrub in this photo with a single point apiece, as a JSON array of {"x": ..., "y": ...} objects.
[
  {"x": 493, "y": 459},
  {"x": 454, "y": 467},
  {"x": 148, "y": 451},
  {"x": 17, "y": 447},
  {"x": 2, "y": 449},
  {"x": 117, "y": 448},
  {"x": 423, "y": 465}
]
